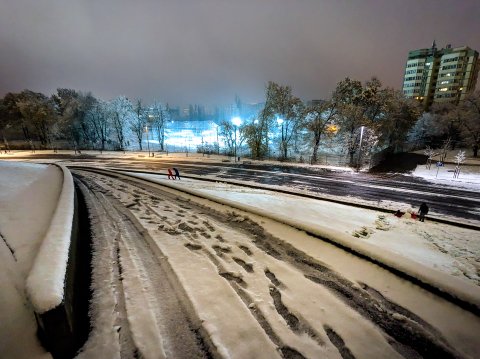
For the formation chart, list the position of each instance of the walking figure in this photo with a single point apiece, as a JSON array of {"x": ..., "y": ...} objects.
[
  {"x": 177, "y": 174},
  {"x": 170, "y": 174},
  {"x": 422, "y": 212}
]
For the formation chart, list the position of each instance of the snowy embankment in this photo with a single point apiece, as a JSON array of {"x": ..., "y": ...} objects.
[
  {"x": 469, "y": 176},
  {"x": 28, "y": 199},
  {"x": 46, "y": 281},
  {"x": 399, "y": 244}
]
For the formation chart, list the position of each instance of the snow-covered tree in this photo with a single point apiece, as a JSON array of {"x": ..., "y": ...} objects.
[
  {"x": 256, "y": 137},
  {"x": 121, "y": 111},
  {"x": 430, "y": 153},
  {"x": 318, "y": 119},
  {"x": 399, "y": 116},
  {"x": 138, "y": 121},
  {"x": 73, "y": 108},
  {"x": 459, "y": 159},
  {"x": 287, "y": 110}
]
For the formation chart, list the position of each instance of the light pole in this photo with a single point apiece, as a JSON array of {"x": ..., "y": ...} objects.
[
  {"x": 282, "y": 145},
  {"x": 360, "y": 149},
  {"x": 237, "y": 121},
  {"x": 148, "y": 142}
]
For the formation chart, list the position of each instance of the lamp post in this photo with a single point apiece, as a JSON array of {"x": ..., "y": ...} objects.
[
  {"x": 237, "y": 121},
  {"x": 282, "y": 145},
  {"x": 148, "y": 142},
  {"x": 360, "y": 149}
]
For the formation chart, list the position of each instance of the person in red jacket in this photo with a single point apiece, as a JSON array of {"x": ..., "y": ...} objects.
[{"x": 170, "y": 174}]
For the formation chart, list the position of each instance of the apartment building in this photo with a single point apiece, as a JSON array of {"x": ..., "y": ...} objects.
[{"x": 445, "y": 75}]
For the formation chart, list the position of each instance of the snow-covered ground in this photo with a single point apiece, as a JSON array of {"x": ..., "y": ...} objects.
[
  {"x": 29, "y": 194},
  {"x": 28, "y": 200},
  {"x": 469, "y": 175},
  {"x": 453, "y": 250},
  {"x": 241, "y": 280}
]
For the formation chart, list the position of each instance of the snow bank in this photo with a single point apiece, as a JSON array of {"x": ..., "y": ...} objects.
[
  {"x": 45, "y": 283},
  {"x": 448, "y": 285}
]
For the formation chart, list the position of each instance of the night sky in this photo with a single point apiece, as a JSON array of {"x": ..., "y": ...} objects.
[{"x": 206, "y": 51}]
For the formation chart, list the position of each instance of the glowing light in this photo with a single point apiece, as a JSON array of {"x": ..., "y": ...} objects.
[
  {"x": 237, "y": 121},
  {"x": 332, "y": 129}
]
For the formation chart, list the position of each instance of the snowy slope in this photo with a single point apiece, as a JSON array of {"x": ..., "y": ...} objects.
[{"x": 28, "y": 198}]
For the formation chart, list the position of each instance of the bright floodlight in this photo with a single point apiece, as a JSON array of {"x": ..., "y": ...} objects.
[
  {"x": 237, "y": 121},
  {"x": 279, "y": 120}
]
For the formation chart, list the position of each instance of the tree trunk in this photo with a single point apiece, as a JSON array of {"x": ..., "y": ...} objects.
[
  {"x": 316, "y": 144},
  {"x": 475, "y": 150},
  {"x": 351, "y": 158}
]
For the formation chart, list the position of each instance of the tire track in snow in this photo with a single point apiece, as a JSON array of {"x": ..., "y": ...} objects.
[{"x": 158, "y": 323}]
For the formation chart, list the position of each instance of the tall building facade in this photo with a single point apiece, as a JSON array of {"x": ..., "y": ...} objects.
[{"x": 445, "y": 75}]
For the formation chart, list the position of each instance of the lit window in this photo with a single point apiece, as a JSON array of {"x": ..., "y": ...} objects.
[{"x": 443, "y": 89}]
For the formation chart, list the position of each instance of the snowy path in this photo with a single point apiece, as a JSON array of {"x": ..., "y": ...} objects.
[
  {"x": 232, "y": 289},
  {"x": 139, "y": 312}
]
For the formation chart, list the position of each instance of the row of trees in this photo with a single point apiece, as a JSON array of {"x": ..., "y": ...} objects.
[
  {"x": 382, "y": 116},
  {"x": 80, "y": 119},
  {"x": 357, "y": 118}
]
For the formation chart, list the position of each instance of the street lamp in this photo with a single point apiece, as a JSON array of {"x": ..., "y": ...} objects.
[
  {"x": 282, "y": 145},
  {"x": 360, "y": 148},
  {"x": 148, "y": 142},
  {"x": 237, "y": 121}
]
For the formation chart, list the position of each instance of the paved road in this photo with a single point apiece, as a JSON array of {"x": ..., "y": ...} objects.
[{"x": 443, "y": 200}]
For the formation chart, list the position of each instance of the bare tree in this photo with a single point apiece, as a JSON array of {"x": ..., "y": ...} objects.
[
  {"x": 227, "y": 131},
  {"x": 98, "y": 119},
  {"x": 159, "y": 116}
]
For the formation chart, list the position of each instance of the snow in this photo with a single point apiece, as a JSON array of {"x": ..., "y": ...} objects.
[
  {"x": 443, "y": 255},
  {"x": 469, "y": 175},
  {"x": 421, "y": 249},
  {"x": 222, "y": 313},
  {"x": 28, "y": 198},
  {"x": 45, "y": 283}
]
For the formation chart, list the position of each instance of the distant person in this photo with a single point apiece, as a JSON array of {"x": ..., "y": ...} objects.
[
  {"x": 170, "y": 174},
  {"x": 422, "y": 212},
  {"x": 399, "y": 213},
  {"x": 177, "y": 174}
]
